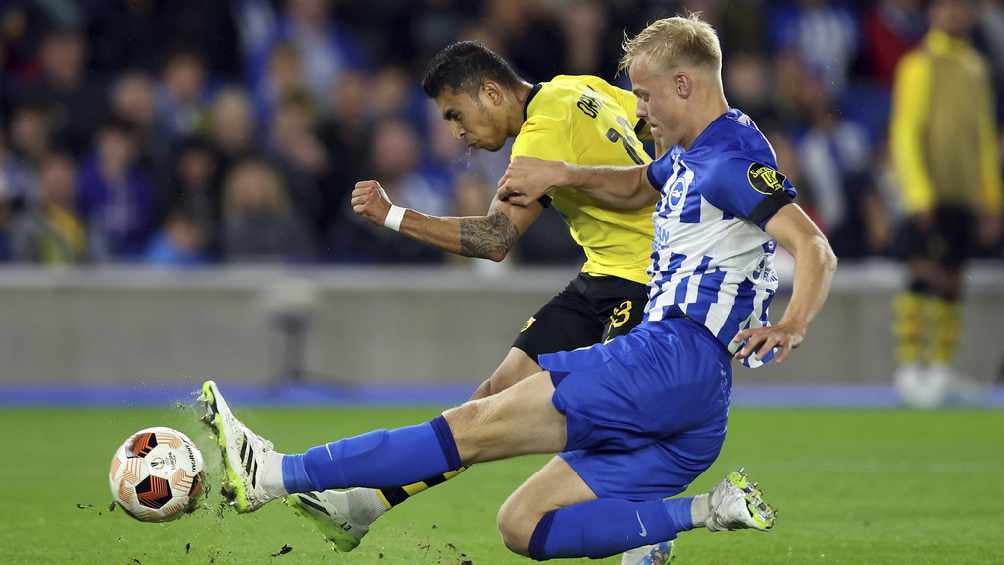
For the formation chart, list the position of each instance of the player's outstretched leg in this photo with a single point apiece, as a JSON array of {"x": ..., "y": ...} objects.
[
  {"x": 519, "y": 421},
  {"x": 735, "y": 503},
  {"x": 345, "y": 517}
]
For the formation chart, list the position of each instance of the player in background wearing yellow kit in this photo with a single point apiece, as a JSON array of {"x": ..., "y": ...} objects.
[
  {"x": 944, "y": 148},
  {"x": 577, "y": 119}
]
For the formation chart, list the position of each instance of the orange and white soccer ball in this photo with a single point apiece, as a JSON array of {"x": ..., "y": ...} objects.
[{"x": 157, "y": 475}]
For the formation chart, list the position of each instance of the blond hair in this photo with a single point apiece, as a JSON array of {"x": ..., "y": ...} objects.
[{"x": 672, "y": 42}]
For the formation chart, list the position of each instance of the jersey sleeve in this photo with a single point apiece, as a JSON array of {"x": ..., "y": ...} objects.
[
  {"x": 748, "y": 189},
  {"x": 911, "y": 96},
  {"x": 661, "y": 169}
]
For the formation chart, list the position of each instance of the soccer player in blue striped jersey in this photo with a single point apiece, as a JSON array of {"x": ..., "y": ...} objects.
[{"x": 636, "y": 420}]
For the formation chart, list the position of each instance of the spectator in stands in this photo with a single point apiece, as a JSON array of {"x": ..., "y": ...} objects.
[
  {"x": 891, "y": 28},
  {"x": 823, "y": 33},
  {"x": 944, "y": 148},
  {"x": 73, "y": 102},
  {"x": 30, "y": 140},
  {"x": 18, "y": 40},
  {"x": 182, "y": 93},
  {"x": 259, "y": 224},
  {"x": 231, "y": 125},
  {"x": 395, "y": 94},
  {"x": 749, "y": 84},
  {"x": 284, "y": 78},
  {"x": 301, "y": 157},
  {"x": 50, "y": 231},
  {"x": 195, "y": 190},
  {"x": 326, "y": 49},
  {"x": 132, "y": 98},
  {"x": 116, "y": 195},
  {"x": 589, "y": 48},
  {"x": 161, "y": 69},
  {"x": 181, "y": 242},
  {"x": 346, "y": 133},
  {"x": 835, "y": 158},
  {"x": 527, "y": 29}
]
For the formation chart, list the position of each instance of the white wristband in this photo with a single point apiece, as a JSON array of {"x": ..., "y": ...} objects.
[{"x": 394, "y": 218}]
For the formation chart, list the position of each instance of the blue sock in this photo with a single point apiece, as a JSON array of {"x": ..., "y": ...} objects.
[
  {"x": 607, "y": 526},
  {"x": 377, "y": 459}
]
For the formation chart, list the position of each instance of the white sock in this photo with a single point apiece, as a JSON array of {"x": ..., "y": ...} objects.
[
  {"x": 700, "y": 510},
  {"x": 270, "y": 474}
]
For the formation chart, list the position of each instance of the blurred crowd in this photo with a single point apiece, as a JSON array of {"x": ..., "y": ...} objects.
[{"x": 191, "y": 132}]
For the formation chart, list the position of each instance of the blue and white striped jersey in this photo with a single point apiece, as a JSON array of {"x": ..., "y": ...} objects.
[{"x": 712, "y": 261}]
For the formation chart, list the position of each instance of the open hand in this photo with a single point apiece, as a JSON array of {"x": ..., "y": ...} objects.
[{"x": 762, "y": 340}]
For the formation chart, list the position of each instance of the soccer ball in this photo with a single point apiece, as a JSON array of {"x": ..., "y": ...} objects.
[{"x": 157, "y": 475}]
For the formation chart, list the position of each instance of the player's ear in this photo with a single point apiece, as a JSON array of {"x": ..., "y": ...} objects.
[
  {"x": 492, "y": 91},
  {"x": 683, "y": 85}
]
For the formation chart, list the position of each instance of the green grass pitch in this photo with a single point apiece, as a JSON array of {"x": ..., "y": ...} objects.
[{"x": 852, "y": 486}]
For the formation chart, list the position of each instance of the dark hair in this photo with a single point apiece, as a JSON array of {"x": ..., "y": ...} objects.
[
  {"x": 114, "y": 123},
  {"x": 465, "y": 65},
  {"x": 61, "y": 31},
  {"x": 193, "y": 142},
  {"x": 183, "y": 52}
]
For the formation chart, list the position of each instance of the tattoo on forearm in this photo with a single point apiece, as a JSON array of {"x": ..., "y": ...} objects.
[{"x": 489, "y": 237}]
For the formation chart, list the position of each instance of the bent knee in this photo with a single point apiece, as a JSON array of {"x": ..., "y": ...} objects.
[
  {"x": 516, "y": 524},
  {"x": 471, "y": 432}
]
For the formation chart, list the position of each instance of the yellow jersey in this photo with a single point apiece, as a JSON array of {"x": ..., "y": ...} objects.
[
  {"x": 586, "y": 121},
  {"x": 943, "y": 137}
]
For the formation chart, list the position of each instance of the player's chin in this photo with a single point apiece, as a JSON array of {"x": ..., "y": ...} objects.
[{"x": 490, "y": 145}]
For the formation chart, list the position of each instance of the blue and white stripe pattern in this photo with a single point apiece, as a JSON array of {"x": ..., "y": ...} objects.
[{"x": 712, "y": 261}]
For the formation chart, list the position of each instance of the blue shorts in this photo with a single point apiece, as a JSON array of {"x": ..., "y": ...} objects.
[{"x": 647, "y": 412}]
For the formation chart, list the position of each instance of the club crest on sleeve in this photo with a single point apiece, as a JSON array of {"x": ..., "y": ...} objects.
[{"x": 764, "y": 179}]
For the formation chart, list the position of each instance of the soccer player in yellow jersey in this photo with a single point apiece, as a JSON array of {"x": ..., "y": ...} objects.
[
  {"x": 943, "y": 142},
  {"x": 577, "y": 119}
]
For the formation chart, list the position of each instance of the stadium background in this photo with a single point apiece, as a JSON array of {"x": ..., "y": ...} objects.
[{"x": 198, "y": 156}]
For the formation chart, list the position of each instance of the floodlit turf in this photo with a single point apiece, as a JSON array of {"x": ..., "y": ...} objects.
[{"x": 852, "y": 487}]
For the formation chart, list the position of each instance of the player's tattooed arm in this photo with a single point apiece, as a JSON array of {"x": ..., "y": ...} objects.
[{"x": 487, "y": 237}]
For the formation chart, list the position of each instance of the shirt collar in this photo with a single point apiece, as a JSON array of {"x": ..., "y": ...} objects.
[{"x": 533, "y": 92}]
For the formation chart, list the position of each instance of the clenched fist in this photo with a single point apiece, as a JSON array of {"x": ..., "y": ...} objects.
[{"x": 370, "y": 201}]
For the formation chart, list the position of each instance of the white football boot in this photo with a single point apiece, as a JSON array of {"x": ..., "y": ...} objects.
[
  {"x": 737, "y": 503},
  {"x": 343, "y": 517},
  {"x": 245, "y": 453}
]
